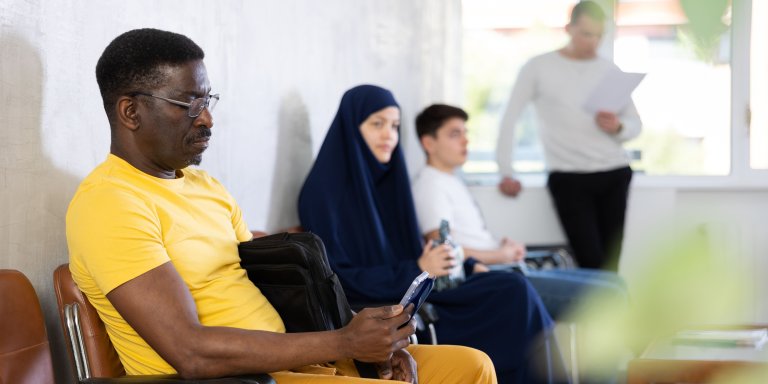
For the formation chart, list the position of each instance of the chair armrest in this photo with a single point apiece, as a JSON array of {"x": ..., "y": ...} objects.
[{"x": 175, "y": 379}]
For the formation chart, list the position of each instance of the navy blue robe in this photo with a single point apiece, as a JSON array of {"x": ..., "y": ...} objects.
[{"x": 363, "y": 210}]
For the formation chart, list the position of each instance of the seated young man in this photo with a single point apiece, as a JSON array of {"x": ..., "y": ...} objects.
[
  {"x": 439, "y": 194},
  {"x": 153, "y": 245}
]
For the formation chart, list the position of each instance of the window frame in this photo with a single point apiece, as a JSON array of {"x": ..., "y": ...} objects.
[{"x": 741, "y": 175}]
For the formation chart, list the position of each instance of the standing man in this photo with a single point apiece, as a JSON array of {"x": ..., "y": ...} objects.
[
  {"x": 589, "y": 172},
  {"x": 153, "y": 245}
]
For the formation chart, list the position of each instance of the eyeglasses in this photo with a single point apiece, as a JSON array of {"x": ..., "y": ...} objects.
[{"x": 194, "y": 108}]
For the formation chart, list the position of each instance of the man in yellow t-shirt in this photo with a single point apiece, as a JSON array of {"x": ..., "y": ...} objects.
[{"x": 153, "y": 245}]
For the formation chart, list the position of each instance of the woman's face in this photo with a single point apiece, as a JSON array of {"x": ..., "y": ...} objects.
[{"x": 380, "y": 132}]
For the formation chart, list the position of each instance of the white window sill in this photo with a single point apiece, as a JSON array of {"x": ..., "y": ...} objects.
[{"x": 757, "y": 181}]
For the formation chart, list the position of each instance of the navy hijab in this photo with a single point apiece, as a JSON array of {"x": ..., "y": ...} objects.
[{"x": 362, "y": 209}]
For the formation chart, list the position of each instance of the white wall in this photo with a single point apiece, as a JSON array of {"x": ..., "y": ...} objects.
[{"x": 280, "y": 66}]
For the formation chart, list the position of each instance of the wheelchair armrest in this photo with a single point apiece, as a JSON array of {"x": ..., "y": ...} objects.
[
  {"x": 548, "y": 256},
  {"x": 175, "y": 379}
]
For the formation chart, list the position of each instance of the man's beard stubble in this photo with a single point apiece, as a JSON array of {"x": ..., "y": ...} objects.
[{"x": 204, "y": 133}]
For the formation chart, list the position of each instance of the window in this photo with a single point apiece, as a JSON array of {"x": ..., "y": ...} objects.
[
  {"x": 758, "y": 129},
  {"x": 499, "y": 37},
  {"x": 685, "y": 100}
]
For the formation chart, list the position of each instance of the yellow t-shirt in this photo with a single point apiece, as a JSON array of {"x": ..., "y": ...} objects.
[{"x": 122, "y": 223}]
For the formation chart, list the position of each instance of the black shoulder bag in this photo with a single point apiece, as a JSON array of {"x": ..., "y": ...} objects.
[{"x": 292, "y": 271}]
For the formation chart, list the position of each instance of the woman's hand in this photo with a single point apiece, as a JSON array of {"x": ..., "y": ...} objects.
[
  {"x": 480, "y": 268},
  {"x": 437, "y": 261}
]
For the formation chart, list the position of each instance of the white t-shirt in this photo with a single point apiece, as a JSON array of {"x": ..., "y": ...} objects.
[
  {"x": 438, "y": 195},
  {"x": 558, "y": 88}
]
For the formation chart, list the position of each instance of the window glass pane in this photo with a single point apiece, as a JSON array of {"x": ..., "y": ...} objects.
[
  {"x": 499, "y": 37},
  {"x": 684, "y": 101},
  {"x": 758, "y": 138},
  {"x": 683, "y": 45}
]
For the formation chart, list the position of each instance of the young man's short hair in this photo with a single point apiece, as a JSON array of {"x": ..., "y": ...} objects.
[
  {"x": 588, "y": 8},
  {"x": 434, "y": 116},
  {"x": 132, "y": 62}
]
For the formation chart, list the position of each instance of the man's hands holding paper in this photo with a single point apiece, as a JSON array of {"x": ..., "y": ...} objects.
[{"x": 608, "y": 122}]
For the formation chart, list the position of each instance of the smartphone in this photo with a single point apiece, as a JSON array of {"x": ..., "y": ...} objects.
[{"x": 418, "y": 291}]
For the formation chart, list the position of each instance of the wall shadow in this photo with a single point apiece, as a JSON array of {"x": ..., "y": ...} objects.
[
  {"x": 34, "y": 194},
  {"x": 293, "y": 161}
]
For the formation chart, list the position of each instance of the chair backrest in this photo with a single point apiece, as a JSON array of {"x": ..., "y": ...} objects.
[
  {"x": 25, "y": 355},
  {"x": 90, "y": 348}
]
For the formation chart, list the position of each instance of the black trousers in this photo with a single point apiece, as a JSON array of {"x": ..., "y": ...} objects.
[{"x": 591, "y": 208}]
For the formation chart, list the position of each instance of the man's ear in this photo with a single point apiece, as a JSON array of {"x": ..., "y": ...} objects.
[
  {"x": 428, "y": 143},
  {"x": 126, "y": 113},
  {"x": 569, "y": 29}
]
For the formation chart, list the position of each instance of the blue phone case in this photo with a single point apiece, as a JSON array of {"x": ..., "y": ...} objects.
[{"x": 418, "y": 291}]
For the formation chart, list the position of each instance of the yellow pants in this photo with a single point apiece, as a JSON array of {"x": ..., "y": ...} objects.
[{"x": 435, "y": 364}]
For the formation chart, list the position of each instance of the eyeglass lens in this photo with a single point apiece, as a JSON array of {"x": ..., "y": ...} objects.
[{"x": 197, "y": 105}]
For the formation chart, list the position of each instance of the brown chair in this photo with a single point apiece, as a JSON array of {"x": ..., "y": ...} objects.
[
  {"x": 25, "y": 355},
  {"x": 90, "y": 349}
]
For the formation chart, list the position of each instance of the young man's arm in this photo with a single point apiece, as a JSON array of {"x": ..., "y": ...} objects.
[
  {"x": 507, "y": 252},
  {"x": 158, "y": 305}
]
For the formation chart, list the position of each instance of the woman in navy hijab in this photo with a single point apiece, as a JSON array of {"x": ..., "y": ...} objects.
[{"x": 357, "y": 198}]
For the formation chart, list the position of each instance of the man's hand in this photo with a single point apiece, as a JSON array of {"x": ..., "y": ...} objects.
[
  {"x": 373, "y": 335},
  {"x": 510, "y": 187},
  {"x": 437, "y": 261},
  {"x": 608, "y": 122},
  {"x": 401, "y": 367},
  {"x": 511, "y": 251}
]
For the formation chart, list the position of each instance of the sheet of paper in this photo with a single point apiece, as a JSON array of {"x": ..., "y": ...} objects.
[{"x": 613, "y": 92}]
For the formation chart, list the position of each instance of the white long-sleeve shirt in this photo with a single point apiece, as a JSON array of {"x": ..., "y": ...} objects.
[{"x": 558, "y": 87}]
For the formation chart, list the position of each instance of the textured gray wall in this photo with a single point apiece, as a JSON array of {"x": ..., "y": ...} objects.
[{"x": 280, "y": 66}]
